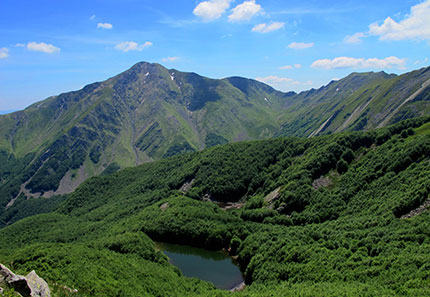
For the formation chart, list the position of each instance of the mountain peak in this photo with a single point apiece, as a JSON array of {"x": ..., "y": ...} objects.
[
  {"x": 144, "y": 67},
  {"x": 149, "y": 112}
]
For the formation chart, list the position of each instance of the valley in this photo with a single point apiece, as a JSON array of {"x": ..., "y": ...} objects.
[
  {"x": 290, "y": 237},
  {"x": 214, "y": 148}
]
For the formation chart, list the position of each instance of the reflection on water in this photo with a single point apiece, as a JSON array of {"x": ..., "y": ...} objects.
[{"x": 216, "y": 267}]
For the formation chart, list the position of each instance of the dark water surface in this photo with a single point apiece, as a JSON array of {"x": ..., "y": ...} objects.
[{"x": 216, "y": 267}]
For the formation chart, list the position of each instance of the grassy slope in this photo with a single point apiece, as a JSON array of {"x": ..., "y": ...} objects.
[
  {"x": 83, "y": 132},
  {"x": 340, "y": 98},
  {"x": 113, "y": 117},
  {"x": 344, "y": 239}
]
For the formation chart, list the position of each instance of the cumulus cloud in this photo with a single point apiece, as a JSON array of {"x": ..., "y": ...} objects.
[
  {"x": 170, "y": 59},
  {"x": 132, "y": 46},
  {"x": 300, "y": 45},
  {"x": 212, "y": 9},
  {"x": 283, "y": 83},
  {"x": 288, "y": 67},
  {"x": 244, "y": 11},
  {"x": 4, "y": 53},
  {"x": 348, "y": 62},
  {"x": 355, "y": 38},
  {"x": 104, "y": 26},
  {"x": 42, "y": 47},
  {"x": 415, "y": 25},
  {"x": 266, "y": 28}
]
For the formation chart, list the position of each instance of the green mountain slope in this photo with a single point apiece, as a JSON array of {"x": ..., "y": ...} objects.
[
  {"x": 145, "y": 113},
  {"x": 361, "y": 101},
  {"x": 149, "y": 112},
  {"x": 326, "y": 216}
]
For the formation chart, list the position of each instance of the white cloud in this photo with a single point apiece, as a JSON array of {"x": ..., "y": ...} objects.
[
  {"x": 274, "y": 79},
  {"x": 244, "y": 11},
  {"x": 266, "y": 28},
  {"x": 415, "y": 25},
  {"x": 132, "y": 46},
  {"x": 300, "y": 45},
  {"x": 42, "y": 47},
  {"x": 355, "y": 38},
  {"x": 170, "y": 59},
  {"x": 283, "y": 83},
  {"x": 20, "y": 45},
  {"x": 4, "y": 53},
  {"x": 347, "y": 62},
  {"x": 212, "y": 9},
  {"x": 93, "y": 17},
  {"x": 104, "y": 25},
  {"x": 288, "y": 67}
]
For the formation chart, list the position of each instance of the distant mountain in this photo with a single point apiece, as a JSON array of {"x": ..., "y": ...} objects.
[
  {"x": 149, "y": 112},
  {"x": 360, "y": 101}
]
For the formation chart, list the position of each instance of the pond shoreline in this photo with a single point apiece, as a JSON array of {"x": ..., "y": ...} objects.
[
  {"x": 216, "y": 267},
  {"x": 238, "y": 287}
]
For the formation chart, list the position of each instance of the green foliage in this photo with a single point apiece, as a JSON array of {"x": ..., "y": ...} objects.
[
  {"x": 11, "y": 175},
  {"x": 126, "y": 122},
  {"x": 95, "y": 154},
  {"x": 213, "y": 139},
  {"x": 178, "y": 148},
  {"x": 303, "y": 229},
  {"x": 186, "y": 221},
  {"x": 151, "y": 139},
  {"x": 10, "y": 293},
  {"x": 23, "y": 208},
  {"x": 342, "y": 166},
  {"x": 110, "y": 169},
  {"x": 235, "y": 245}
]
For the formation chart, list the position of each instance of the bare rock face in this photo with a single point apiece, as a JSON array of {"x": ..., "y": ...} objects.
[
  {"x": 39, "y": 287},
  {"x": 30, "y": 286}
]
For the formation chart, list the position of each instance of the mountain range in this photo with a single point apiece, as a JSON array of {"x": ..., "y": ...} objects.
[{"x": 149, "y": 112}]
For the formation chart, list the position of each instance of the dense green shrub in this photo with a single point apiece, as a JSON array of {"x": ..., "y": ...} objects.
[{"x": 303, "y": 229}]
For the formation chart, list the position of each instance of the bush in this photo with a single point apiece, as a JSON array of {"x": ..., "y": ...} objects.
[{"x": 342, "y": 166}]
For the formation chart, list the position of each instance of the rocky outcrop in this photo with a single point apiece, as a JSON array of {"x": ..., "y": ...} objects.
[
  {"x": 30, "y": 286},
  {"x": 186, "y": 186},
  {"x": 271, "y": 198},
  {"x": 39, "y": 287},
  {"x": 422, "y": 208}
]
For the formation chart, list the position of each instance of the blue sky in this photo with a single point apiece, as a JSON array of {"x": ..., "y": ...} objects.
[{"x": 50, "y": 47}]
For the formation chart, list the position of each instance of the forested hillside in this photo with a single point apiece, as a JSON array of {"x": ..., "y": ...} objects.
[
  {"x": 335, "y": 215},
  {"x": 149, "y": 112}
]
